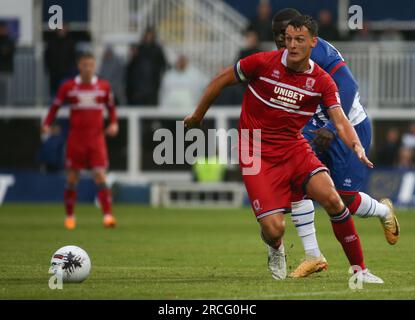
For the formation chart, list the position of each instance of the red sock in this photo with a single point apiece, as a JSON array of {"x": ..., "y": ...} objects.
[
  {"x": 69, "y": 198},
  {"x": 105, "y": 200},
  {"x": 346, "y": 234},
  {"x": 356, "y": 202}
]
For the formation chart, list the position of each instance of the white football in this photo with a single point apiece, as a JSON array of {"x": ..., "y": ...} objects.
[{"x": 72, "y": 263}]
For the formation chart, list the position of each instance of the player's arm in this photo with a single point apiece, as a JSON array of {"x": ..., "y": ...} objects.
[
  {"x": 226, "y": 78},
  {"x": 112, "y": 129},
  {"x": 348, "y": 135},
  {"x": 53, "y": 110},
  {"x": 348, "y": 88},
  {"x": 346, "y": 132}
]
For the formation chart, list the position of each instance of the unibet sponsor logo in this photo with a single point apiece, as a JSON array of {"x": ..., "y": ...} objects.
[{"x": 287, "y": 95}]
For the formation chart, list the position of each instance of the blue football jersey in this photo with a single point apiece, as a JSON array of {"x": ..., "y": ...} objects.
[{"x": 331, "y": 60}]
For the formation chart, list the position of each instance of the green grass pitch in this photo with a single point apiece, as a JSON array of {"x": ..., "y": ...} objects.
[{"x": 189, "y": 254}]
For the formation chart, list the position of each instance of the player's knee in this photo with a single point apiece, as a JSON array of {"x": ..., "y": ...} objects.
[
  {"x": 333, "y": 203},
  {"x": 72, "y": 179},
  {"x": 273, "y": 228},
  {"x": 100, "y": 178}
]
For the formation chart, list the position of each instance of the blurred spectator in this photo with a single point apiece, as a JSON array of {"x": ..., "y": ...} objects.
[
  {"x": 392, "y": 39},
  {"x": 132, "y": 77},
  {"x": 364, "y": 34},
  {"x": 145, "y": 70},
  {"x": 408, "y": 139},
  {"x": 387, "y": 154},
  {"x": 326, "y": 27},
  {"x": 60, "y": 58},
  {"x": 391, "y": 34},
  {"x": 405, "y": 158},
  {"x": 7, "y": 49},
  {"x": 262, "y": 23},
  {"x": 112, "y": 69},
  {"x": 182, "y": 86},
  {"x": 51, "y": 154},
  {"x": 251, "y": 44}
]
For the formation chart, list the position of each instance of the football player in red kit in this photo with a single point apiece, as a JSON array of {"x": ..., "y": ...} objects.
[
  {"x": 87, "y": 97},
  {"x": 284, "y": 89}
]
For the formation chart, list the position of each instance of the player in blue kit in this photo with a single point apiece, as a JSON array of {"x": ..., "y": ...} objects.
[{"x": 346, "y": 170}]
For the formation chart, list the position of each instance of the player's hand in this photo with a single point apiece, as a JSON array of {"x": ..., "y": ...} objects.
[
  {"x": 46, "y": 130},
  {"x": 112, "y": 130},
  {"x": 360, "y": 152},
  {"x": 192, "y": 121},
  {"x": 323, "y": 138}
]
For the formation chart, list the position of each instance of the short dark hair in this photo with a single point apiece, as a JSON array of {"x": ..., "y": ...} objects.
[
  {"x": 85, "y": 55},
  {"x": 286, "y": 14},
  {"x": 305, "y": 21},
  {"x": 281, "y": 18}
]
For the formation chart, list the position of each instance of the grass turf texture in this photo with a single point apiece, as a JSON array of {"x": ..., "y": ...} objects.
[{"x": 188, "y": 254}]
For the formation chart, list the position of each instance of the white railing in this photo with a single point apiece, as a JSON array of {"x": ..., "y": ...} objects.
[
  {"x": 207, "y": 31},
  {"x": 386, "y": 75},
  {"x": 135, "y": 142},
  {"x": 385, "y": 72},
  {"x": 108, "y": 16}
]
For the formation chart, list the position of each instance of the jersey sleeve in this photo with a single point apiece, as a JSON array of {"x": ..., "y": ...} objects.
[
  {"x": 347, "y": 85},
  {"x": 330, "y": 94},
  {"x": 247, "y": 68},
  {"x": 57, "y": 102}
]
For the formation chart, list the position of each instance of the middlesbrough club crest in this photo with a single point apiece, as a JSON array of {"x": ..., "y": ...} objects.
[
  {"x": 276, "y": 73},
  {"x": 309, "y": 84}
]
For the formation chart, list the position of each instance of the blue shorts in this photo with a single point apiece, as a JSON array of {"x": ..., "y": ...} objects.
[{"x": 347, "y": 172}]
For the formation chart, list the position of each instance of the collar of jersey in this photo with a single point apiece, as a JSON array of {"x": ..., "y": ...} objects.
[
  {"x": 284, "y": 62},
  {"x": 93, "y": 81}
]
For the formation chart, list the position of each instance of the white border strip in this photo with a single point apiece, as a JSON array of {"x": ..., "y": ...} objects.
[
  {"x": 277, "y": 106},
  {"x": 239, "y": 70},
  {"x": 284, "y": 85},
  {"x": 268, "y": 213}
]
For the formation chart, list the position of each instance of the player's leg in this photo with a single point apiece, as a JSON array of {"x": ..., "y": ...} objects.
[
  {"x": 272, "y": 232},
  {"x": 302, "y": 216},
  {"x": 98, "y": 159},
  {"x": 349, "y": 176},
  {"x": 72, "y": 178},
  {"x": 104, "y": 196},
  {"x": 75, "y": 156},
  {"x": 321, "y": 188},
  {"x": 269, "y": 193}
]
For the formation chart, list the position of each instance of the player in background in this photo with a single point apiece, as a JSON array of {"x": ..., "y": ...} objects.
[
  {"x": 284, "y": 89},
  {"x": 347, "y": 172},
  {"x": 87, "y": 96}
]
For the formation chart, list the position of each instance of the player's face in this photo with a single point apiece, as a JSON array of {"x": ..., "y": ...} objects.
[
  {"x": 299, "y": 43},
  {"x": 87, "y": 67}
]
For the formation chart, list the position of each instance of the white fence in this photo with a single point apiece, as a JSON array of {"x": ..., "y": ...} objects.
[
  {"x": 135, "y": 142},
  {"x": 385, "y": 72},
  {"x": 205, "y": 30}
]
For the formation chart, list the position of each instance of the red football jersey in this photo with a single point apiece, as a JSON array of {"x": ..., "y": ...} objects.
[
  {"x": 87, "y": 102},
  {"x": 280, "y": 101}
]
